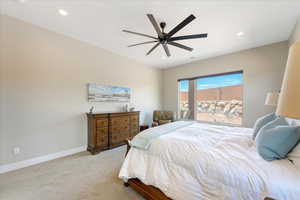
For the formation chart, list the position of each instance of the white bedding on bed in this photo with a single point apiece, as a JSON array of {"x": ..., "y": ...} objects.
[{"x": 204, "y": 161}]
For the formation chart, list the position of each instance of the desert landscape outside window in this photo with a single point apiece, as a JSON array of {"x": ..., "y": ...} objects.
[
  {"x": 219, "y": 98},
  {"x": 184, "y": 98}
]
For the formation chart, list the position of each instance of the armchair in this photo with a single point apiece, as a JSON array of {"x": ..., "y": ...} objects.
[{"x": 162, "y": 117}]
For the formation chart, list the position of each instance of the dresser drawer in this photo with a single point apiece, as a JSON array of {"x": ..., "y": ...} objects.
[
  {"x": 102, "y": 137},
  {"x": 102, "y": 141},
  {"x": 119, "y": 121},
  {"x": 108, "y": 130},
  {"x": 134, "y": 132},
  {"x": 134, "y": 118},
  {"x": 119, "y": 129},
  {"x": 134, "y": 125},
  {"x": 118, "y": 139},
  {"x": 101, "y": 122},
  {"x": 118, "y": 134},
  {"x": 102, "y": 130}
]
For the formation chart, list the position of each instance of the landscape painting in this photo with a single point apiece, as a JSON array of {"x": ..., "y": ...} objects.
[{"x": 104, "y": 93}]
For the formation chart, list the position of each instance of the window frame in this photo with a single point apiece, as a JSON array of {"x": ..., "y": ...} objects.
[{"x": 193, "y": 94}]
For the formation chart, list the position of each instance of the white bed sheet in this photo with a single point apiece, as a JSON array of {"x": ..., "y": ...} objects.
[
  {"x": 204, "y": 161},
  {"x": 283, "y": 180}
]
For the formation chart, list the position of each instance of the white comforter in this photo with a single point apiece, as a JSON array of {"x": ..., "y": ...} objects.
[{"x": 201, "y": 161}]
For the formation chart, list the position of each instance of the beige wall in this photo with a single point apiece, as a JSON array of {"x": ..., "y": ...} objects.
[
  {"x": 43, "y": 91},
  {"x": 263, "y": 72},
  {"x": 43, "y": 94},
  {"x": 2, "y": 115}
]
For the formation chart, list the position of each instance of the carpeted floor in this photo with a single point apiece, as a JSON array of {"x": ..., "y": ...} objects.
[{"x": 77, "y": 177}]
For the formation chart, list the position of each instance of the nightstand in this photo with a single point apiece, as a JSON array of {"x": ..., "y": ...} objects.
[{"x": 143, "y": 127}]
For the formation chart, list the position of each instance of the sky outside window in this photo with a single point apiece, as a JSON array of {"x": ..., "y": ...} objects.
[{"x": 215, "y": 81}]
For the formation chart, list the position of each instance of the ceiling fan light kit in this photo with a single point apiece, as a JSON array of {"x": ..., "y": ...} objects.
[{"x": 166, "y": 39}]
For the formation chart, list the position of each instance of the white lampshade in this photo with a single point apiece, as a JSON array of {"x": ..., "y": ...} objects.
[
  {"x": 289, "y": 98},
  {"x": 272, "y": 99}
]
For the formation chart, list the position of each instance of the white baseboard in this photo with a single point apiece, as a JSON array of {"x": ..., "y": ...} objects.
[{"x": 40, "y": 159}]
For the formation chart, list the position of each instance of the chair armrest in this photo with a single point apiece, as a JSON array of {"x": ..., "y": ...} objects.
[
  {"x": 155, "y": 124},
  {"x": 164, "y": 121}
]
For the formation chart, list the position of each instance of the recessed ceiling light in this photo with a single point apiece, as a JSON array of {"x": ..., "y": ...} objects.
[
  {"x": 240, "y": 34},
  {"x": 63, "y": 12}
]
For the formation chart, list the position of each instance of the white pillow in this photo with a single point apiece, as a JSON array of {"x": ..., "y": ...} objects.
[
  {"x": 292, "y": 121},
  {"x": 295, "y": 156}
]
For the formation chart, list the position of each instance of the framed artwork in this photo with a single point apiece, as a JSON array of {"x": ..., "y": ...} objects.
[{"x": 105, "y": 93}]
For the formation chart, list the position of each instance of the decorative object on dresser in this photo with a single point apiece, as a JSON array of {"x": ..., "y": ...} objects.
[
  {"x": 108, "y": 130},
  {"x": 128, "y": 107},
  {"x": 162, "y": 117},
  {"x": 91, "y": 109}
]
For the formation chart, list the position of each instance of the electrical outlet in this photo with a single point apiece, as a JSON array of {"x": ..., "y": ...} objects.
[{"x": 16, "y": 150}]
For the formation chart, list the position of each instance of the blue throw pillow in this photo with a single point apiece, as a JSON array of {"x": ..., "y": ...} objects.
[
  {"x": 260, "y": 122},
  {"x": 276, "y": 139}
]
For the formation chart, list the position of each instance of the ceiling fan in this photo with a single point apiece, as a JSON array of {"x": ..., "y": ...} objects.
[{"x": 166, "y": 39}]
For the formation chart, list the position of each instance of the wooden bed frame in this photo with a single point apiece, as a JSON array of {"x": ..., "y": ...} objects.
[{"x": 148, "y": 191}]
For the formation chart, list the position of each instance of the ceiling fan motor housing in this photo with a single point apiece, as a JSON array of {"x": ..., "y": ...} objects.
[
  {"x": 164, "y": 37},
  {"x": 162, "y": 25}
]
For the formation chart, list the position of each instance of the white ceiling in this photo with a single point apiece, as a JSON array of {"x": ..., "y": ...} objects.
[{"x": 100, "y": 22}]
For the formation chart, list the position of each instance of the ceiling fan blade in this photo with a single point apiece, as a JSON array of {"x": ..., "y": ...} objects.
[
  {"x": 142, "y": 43},
  {"x": 141, "y": 34},
  {"x": 155, "y": 25},
  {"x": 181, "y": 46},
  {"x": 181, "y": 25},
  {"x": 154, "y": 47},
  {"x": 186, "y": 37},
  {"x": 166, "y": 49}
]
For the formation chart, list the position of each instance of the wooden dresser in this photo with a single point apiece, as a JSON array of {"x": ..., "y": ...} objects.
[{"x": 108, "y": 130}]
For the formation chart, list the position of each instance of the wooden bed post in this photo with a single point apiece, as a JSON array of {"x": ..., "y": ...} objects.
[{"x": 127, "y": 142}]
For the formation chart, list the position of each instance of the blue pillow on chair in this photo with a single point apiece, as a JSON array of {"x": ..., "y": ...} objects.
[
  {"x": 276, "y": 139},
  {"x": 260, "y": 122}
]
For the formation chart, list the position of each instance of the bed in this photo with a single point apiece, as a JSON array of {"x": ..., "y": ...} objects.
[{"x": 205, "y": 161}]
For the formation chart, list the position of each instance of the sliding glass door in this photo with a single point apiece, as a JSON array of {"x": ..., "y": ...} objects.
[{"x": 216, "y": 98}]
